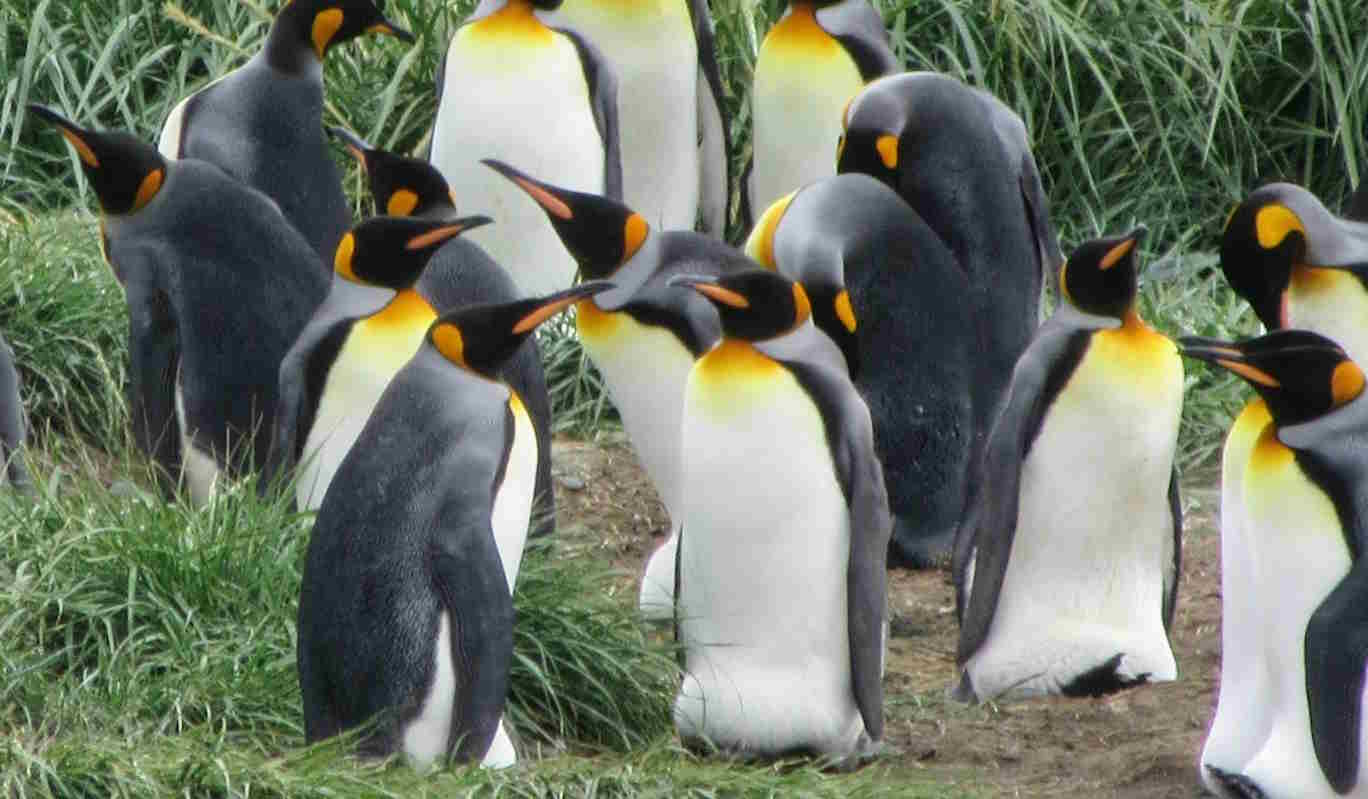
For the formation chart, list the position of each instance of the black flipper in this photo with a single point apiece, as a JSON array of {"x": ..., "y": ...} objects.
[
  {"x": 602, "y": 83},
  {"x": 154, "y": 355},
  {"x": 1174, "y": 576},
  {"x": 1038, "y": 217},
  {"x": 1336, "y": 654},
  {"x": 860, "y": 30}
]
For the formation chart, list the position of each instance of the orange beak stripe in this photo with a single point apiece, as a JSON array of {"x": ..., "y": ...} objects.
[
  {"x": 542, "y": 314},
  {"x": 1115, "y": 254},
  {"x": 722, "y": 295}
]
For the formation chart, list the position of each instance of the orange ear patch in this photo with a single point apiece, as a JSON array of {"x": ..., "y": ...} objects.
[
  {"x": 1273, "y": 223},
  {"x": 325, "y": 27},
  {"x": 887, "y": 145},
  {"x": 633, "y": 236},
  {"x": 1346, "y": 382},
  {"x": 148, "y": 188},
  {"x": 448, "y": 340},
  {"x": 1115, "y": 254},
  {"x": 401, "y": 203}
]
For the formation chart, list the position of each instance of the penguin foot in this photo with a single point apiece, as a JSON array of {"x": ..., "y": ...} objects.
[
  {"x": 964, "y": 690},
  {"x": 1104, "y": 679},
  {"x": 1237, "y": 785},
  {"x": 915, "y": 549}
]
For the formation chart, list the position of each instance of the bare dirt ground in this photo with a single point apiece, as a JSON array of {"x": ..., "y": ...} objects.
[{"x": 1139, "y": 744}]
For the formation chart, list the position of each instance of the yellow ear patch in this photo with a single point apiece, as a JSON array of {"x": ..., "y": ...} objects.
[
  {"x": 148, "y": 188},
  {"x": 633, "y": 236},
  {"x": 760, "y": 243},
  {"x": 802, "y": 306},
  {"x": 1250, "y": 373},
  {"x": 542, "y": 314},
  {"x": 448, "y": 340},
  {"x": 722, "y": 295},
  {"x": 325, "y": 26},
  {"x": 844, "y": 311},
  {"x": 83, "y": 150},
  {"x": 553, "y": 204},
  {"x": 401, "y": 203},
  {"x": 1273, "y": 223},
  {"x": 1115, "y": 254},
  {"x": 342, "y": 261},
  {"x": 1346, "y": 382},
  {"x": 887, "y": 146}
]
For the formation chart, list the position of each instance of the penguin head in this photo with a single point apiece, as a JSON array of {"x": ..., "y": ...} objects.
[
  {"x": 753, "y": 305},
  {"x": 125, "y": 172},
  {"x": 601, "y": 234},
  {"x": 482, "y": 338},
  {"x": 316, "y": 25},
  {"x": 401, "y": 186},
  {"x": 1099, "y": 276},
  {"x": 871, "y": 133},
  {"x": 391, "y": 252},
  {"x": 1300, "y": 375}
]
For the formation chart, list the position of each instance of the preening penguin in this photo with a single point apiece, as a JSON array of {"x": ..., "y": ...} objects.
[
  {"x": 354, "y": 345},
  {"x": 1304, "y": 627},
  {"x": 643, "y": 335},
  {"x": 890, "y": 294},
  {"x": 1066, "y": 567},
  {"x": 1299, "y": 266},
  {"x": 670, "y": 121},
  {"x": 212, "y": 307},
  {"x": 514, "y": 89},
  {"x": 962, "y": 159},
  {"x": 263, "y": 122},
  {"x": 814, "y": 59},
  {"x": 781, "y": 488},
  {"x": 442, "y": 471}
]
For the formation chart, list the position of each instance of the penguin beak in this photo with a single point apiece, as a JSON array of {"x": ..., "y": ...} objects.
[
  {"x": 357, "y": 146},
  {"x": 708, "y": 287},
  {"x": 1124, "y": 248},
  {"x": 555, "y": 303},
  {"x": 1228, "y": 356},
  {"x": 73, "y": 134},
  {"x": 453, "y": 228},
  {"x": 544, "y": 194}
]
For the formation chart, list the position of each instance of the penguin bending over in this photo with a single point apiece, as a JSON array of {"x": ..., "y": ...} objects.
[
  {"x": 262, "y": 123},
  {"x": 511, "y": 88},
  {"x": 670, "y": 120},
  {"x": 1299, "y": 266},
  {"x": 781, "y": 489},
  {"x": 643, "y": 335},
  {"x": 203, "y": 370},
  {"x": 816, "y": 57},
  {"x": 1304, "y": 639},
  {"x": 1066, "y": 568},
  {"x": 442, "y": 470},
  {"x": 889, "y": 293}
]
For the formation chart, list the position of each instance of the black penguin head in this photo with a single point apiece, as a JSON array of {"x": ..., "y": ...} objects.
[
  {"x": 1264, "y": 239},
  {"x": 401, "y": 186},
  {"x": 482, "y": 338},
  {"x": 1300, "y": 375},
  {"x": 871, "y": 133},
  {"x": 601, "y": 234},
  {"x": 753, "y": 305},
  {"x": 125, "y": 171},
  {"x": 1099, "y": 277},
  {"x": 313, "y": 26},
  {"x": 546, "y": 5},
  {"x": 391, "y": 252}
]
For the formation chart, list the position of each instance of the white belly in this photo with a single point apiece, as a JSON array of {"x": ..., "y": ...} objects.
[
  {"x": 529, "y": 108},
  {"x": 1093, "y": 542},
  {"x": 1331, "y": 302},
  {"x": 513, "y": 502},
  {"x": 199, "y": 469},
  {"x": 763, "y": 578}
]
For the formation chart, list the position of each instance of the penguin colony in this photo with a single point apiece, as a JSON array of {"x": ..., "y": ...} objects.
[{"x": 864, "y": 386}]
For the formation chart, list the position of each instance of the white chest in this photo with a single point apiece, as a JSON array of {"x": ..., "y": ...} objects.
[{"x": 513, "y": 500}]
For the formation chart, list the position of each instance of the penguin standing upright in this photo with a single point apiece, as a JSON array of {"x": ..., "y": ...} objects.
[
  {"x": 814, "y": 59},
  {"x": 962, "y": 159},
  {"x": 1299, "y": 266},
  {"x": 13, "y": 426},
  {"x": 1066, "y": 566},
  {"x": 354, "y": 345},
  {"x": 459, "y": 273},
  {"x": 643, "y": 335},
  {"x": 203, "y": 370},
  {"x": 263, "y": 122},
  {"x": 514, "y": 89},
  {"x": 781, "y": 489},
  {"x": 670, "y": 122},
  {"x": 442, "y": 470},
  {"x": 889, "y": 293},
  {"x": 1303, "y": 629}
]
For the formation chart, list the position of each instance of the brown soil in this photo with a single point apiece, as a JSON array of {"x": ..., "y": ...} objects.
[{"x": 1138, "y": 744}]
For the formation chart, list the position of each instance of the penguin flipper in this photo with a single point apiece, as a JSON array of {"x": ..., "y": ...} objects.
[
  {"x": 714, "y": 176},
  {"x": 1336, "y": 654},
  {"x": 602, "y": 82},
  {"x": 1038, "y": 218},
  {"x": 860, "y": 30},
  {"x": 745, "y": 214},
  {"x": 154, "y": 359},
  {"x": 1173, "y": 570},
  {"x": 1041, "y": 372},
  {"x": 12, "y": 424},
  {"x": 303, "y": 373}
]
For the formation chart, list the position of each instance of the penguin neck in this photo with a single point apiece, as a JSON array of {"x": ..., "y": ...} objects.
[
  {"x": 515, "y": 17},
  {"x": 407, "y": 310},
  {"x": 287, "y": 47}
]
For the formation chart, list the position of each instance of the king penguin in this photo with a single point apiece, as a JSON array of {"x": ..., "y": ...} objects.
[
  {"x": 441, "y": 472},
  {"x": 1304, "y": 634},
  {"x": 962, "y": 159},
  {"x": 643, "y": 335},
  {"x": 459, "y": 273},
  {"x": 512, "y": 88},
  {"x": 890, "y": 294},
  {"x": 1066, "y": 568},
  {"x": 671, "y": 124},
  {"x": 13, "y": 424},
  {"x": 1299, "y": 266},
  {"x": 354, "y": 345},
  {"x": 816, "y": 57},
  {"x": 262, "y": 123},
  {"x": 202, "y": 378},
  {"x": 781, "y": 489}
]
